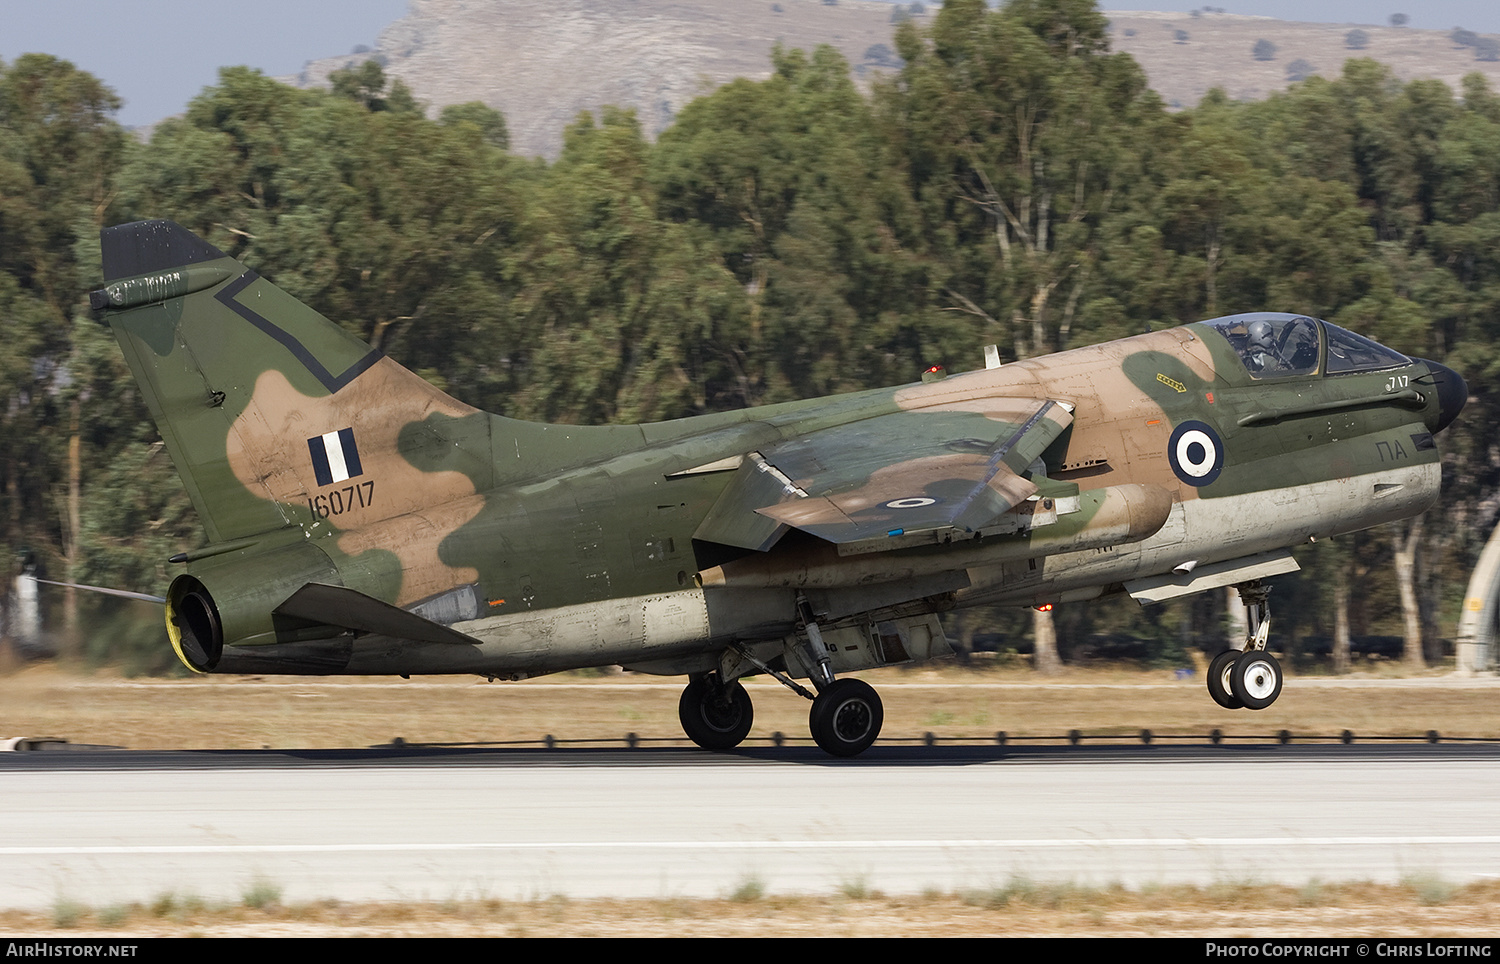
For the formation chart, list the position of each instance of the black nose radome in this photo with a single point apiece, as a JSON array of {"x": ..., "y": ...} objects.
[{"x": 1452, "y": 392}]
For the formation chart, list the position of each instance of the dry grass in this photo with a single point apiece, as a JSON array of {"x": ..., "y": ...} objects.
[
  {"x": 1416, "y": 908},
  {"x": 290, "y": 712}
]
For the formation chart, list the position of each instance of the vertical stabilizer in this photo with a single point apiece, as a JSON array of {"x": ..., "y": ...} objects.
[{"x": 274, "y": 415}]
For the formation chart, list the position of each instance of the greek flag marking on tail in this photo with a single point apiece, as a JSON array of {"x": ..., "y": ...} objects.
[{"x": 334, "y": 456}]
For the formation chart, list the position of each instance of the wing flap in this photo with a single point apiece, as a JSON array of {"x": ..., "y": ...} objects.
[{"x": 730, "y": 523}]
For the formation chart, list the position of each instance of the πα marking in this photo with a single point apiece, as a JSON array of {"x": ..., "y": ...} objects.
[{"x": 1391, "y": 451}]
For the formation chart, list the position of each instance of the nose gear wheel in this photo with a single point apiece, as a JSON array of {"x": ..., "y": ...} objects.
[
  {"x": 1256, "y": 679},
  {"x": 1220, "y": 686}
]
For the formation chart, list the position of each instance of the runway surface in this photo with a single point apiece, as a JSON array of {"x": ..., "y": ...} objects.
[{"x": 433, "y": 824}]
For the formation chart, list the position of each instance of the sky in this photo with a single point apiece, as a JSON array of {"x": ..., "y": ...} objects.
[{"x": 158, "y": 54}]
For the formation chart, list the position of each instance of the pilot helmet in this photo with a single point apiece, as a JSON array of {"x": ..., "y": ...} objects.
[{"x": 1262, "y": 336}]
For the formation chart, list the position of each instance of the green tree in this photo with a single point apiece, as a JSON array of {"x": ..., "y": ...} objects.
[
  {"x": 366, "y": 85},
  {"x": 1022, "y": 136},
  {"x": 489, "y": 122},
  {"x": 1164, "y": 258},
  {"x": 1299, "y": 69},
  {"x": 793, "y": 184},
  {"x": 59, "y": 150},
  {"x": 1462, "y": 37},
  {"x": 624, "y": 314}
]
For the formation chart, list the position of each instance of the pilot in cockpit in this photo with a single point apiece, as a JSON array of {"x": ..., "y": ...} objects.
[
  {"x": 1292, "y": 350},
  {"x": 1260, "y": 352}
]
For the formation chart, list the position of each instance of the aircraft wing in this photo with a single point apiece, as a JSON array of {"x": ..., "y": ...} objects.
[{"x": 958, "y": 466}]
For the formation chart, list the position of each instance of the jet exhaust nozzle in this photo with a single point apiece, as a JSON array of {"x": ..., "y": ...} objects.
[{"x": 193, "y": 625}]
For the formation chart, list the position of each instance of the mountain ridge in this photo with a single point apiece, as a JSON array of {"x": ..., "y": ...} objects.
[{"x": 542, "y": 62}]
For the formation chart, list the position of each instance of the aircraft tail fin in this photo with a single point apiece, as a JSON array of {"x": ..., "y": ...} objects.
[
  {"x": 150, "y": 247},
  {"x": 274, "y": 415}
]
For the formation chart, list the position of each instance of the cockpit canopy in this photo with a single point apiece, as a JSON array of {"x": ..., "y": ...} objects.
[{"x": 1273, "y": 345}]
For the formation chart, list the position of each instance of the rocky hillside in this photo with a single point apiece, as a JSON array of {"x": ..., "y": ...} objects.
[
  {"x": 541, "y": 62},
  {"x": 1218, "y": 50}
]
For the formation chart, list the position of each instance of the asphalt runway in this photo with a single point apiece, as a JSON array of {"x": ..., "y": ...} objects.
[{"x": 413, "y": 823}]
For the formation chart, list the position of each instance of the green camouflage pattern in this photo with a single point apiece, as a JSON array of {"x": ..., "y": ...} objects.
[{"x": 360, "y": 520}]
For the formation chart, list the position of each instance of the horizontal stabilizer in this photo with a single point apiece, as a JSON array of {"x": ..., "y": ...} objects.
[{"x": 346, "y": 608}]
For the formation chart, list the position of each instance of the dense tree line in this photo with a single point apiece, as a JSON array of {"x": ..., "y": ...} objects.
[{"x": 1013, "y": 182}]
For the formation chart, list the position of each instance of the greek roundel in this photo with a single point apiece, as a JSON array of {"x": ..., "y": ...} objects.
[
  {"x": 1196, "y": 453},
  {"x": 335, "y": 457}
]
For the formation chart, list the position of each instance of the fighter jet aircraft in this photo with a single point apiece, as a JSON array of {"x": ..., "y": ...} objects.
[{"x": 360, "y": 521}]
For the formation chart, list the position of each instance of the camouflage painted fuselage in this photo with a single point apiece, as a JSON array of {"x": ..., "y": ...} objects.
[{"x": 360, "y": 521}]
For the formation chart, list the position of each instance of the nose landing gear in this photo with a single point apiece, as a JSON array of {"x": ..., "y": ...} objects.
[
  {"x": 1249, "y": 677},
  {"x": 1256, "y": 679}
]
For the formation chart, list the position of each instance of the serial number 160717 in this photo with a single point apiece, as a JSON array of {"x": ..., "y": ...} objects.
[{"x": 339, "y": 501}]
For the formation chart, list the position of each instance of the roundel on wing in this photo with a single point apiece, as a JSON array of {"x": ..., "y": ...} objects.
[{"x": 1196, "y": 453}]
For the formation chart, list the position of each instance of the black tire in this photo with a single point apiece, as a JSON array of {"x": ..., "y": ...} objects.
[
  {"x": 1220, "y": 687},
  {"x": 1256, "y": 679},
  {"x": 846, "y": 717},
  {"x": 715, "y": 717}
]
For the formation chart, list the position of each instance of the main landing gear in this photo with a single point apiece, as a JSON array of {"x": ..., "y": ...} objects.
[
  {"x": 714, "y": 715},
  {"x": 845, "y": 717},
  {"x": 1248, "y": 678}
]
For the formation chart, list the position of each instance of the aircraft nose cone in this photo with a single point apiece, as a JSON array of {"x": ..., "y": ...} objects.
[{"x": 1452, "y": 392}]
